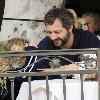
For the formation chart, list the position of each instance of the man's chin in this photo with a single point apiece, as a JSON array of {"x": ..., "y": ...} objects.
[{"x": 57, "y": 45}]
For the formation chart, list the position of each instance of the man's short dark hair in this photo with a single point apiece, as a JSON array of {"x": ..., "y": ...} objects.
[
  {"x": 62, "y": 14},
  {"x": 94, "y": 15}
]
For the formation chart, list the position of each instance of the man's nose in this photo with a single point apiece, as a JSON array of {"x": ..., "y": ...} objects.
[{"x": 53, "y": 36}]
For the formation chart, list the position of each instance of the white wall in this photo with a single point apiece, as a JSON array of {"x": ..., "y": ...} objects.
[{"x": 32, "y": 9}]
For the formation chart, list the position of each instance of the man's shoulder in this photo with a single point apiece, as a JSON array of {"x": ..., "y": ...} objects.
[
  {"x": 88, "y": 39},
  {"x": 82, "y": 32},
  {"x": 45, "y": 43},
  {"x": 45, "y": 39},
  {"x": 85, "y": 34}
]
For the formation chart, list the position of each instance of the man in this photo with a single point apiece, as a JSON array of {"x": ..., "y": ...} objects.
[
  {"x": 93, "y": 20},
  {"x": 59, "y": 23}
]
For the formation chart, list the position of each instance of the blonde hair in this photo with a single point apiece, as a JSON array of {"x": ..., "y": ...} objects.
[{"x": 14, "y": 44}]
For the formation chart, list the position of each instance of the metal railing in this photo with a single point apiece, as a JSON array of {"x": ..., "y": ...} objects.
[{"x": 12, "y": 74}]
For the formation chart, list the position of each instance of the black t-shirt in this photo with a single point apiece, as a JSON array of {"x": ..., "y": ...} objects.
[{"x": 82, "y": 39}]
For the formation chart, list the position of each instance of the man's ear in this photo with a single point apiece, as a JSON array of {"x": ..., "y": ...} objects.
[{"x": 70, "y": 28}]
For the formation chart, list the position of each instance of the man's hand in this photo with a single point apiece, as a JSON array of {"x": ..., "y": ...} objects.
[{"x": 70, "y": 67}]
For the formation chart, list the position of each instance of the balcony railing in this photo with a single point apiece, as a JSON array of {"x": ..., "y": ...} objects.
[{"x": 46, "y": 73}]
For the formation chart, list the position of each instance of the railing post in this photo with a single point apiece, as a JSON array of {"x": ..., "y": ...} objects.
[
  {"x": 12, "y": 87},
  {"x": 82, "y": 91},
  {"x": 98, "y": 74},
  {"x": 29, "y": 82},
  {"x": 64, "y": 86},
  {"x": 47, "y": 88}
]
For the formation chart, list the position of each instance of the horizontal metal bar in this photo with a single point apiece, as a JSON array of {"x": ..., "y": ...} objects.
[
  {"x": 49, "y": 52},
  {"x": 46, "y": 73},
  {"x": 23, "y": 19}
]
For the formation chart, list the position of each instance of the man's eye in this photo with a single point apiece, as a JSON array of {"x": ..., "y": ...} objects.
[
  {"x": 57, "y": 32},
  {"x": 49, "y": 32}
]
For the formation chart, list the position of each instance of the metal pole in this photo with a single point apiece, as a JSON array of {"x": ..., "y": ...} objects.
[
  {"x": 64, "y": 86},
  {"x": 98, "y": 75},
  {"x": 29, "y": 82},
  {"x": 12, "y": 87},
  {"x": 47, "y": 88},
  {"x": 82, "y": 91}
]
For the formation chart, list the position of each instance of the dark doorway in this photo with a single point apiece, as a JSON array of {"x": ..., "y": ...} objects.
[
  {"x": 81, "y": 6},
  {"x": 2, "y": 4}
]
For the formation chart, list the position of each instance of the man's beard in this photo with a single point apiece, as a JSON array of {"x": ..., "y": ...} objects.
[{"x": 64, "y": 40}]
